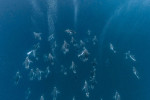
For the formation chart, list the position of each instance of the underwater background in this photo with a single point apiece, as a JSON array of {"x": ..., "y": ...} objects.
[{"x": 123, "y": 23}]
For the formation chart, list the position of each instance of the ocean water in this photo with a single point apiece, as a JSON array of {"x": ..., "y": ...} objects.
[{"x": 116, "y": 35}]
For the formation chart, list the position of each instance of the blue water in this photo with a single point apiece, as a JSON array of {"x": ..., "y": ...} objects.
[{"x": 124, "y": 23}]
